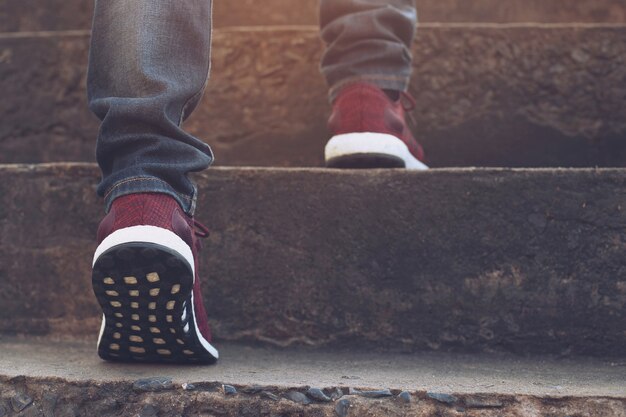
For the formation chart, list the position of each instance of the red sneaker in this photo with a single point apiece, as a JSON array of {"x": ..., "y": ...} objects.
[
  {"x": 369, "y": 131},
  {"x": 145, "y": 277}
]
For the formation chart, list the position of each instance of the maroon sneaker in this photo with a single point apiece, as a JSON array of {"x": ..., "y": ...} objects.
[
  {"x": 145, "y": 277},
  {"x": 369, "y": 131}
]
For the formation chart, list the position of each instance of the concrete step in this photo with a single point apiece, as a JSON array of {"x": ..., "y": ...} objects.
[
  {"x": 524, "y": 261},
  {"x": 61, "y": 379},
  {"x": 488, "y": 95},
  {"x": 33, "y": 15}
]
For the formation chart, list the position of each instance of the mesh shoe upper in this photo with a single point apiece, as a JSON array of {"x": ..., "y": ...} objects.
[
  {"x": 363, "y": 107},
  {"x": 160, "y": 210}
]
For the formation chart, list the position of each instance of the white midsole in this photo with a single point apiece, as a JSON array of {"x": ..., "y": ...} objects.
[
  {"x": 159, "y": 236},
  {"x": 205, "y": 344},
  {"x": 102, "y": 327},
  {"x": 375, "y": 143},
  {"x": 147, "y": 234}
]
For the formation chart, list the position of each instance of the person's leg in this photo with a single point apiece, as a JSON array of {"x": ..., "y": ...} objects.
[
  {"x": 367, "y": 65},
  {"x": 148, "y": 64},
  {"x": 367, "y": 40}
]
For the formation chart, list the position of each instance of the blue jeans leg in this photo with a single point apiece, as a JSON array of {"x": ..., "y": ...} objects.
[
  {"x": 148, "y": 65},
  {"x": 367, "y": 40}
]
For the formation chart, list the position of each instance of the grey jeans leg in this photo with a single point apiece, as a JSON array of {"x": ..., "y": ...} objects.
[
  {"x": 148, "y": 65},
  {"x": 367, "y": 40}
]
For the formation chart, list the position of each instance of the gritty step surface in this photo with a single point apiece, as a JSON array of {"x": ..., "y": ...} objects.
[
  {"x": 66, "y": 378},
  {"x": 461, "y": 260},
  {"x": 77, "y": 361},
  {"x": 33, "y": 15},
  {"x": 520, "y": 95}
]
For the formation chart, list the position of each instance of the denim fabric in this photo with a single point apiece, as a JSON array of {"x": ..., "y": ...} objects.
[
  {"x": 367, "y": 40},
  {"x": 148, "y": 66},
  {"x": 149, "y": 62}
]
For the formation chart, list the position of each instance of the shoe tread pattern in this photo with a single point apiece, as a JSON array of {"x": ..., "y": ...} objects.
[{"x": 144, "y": 290}]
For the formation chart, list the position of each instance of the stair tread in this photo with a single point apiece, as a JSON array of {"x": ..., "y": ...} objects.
[
  {"x": 76, "y": 14},
  {"x": 297, "y": 368}
]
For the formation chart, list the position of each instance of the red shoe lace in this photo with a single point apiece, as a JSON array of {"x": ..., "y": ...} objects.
[
  {"x": 408, "y": 102},
  {"x": 200, "y": 230}
]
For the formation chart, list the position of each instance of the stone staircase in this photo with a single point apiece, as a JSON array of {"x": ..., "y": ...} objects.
[{"x": 459, "y": 291}]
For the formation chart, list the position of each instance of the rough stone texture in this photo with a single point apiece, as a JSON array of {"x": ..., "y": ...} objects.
[
  {"x": 33, "y": 15},
  {"x": 20, "y": 401},
  {"x": 465, "y": 260},
  {"x": 487, "y": 96},
  {"x": 318, "y": 395},
  {"x": 343, "y": 407},
  {"x": 405, "y": 396},
  {"x": 88, "y": 399},
  {"x": 442, "y": 397},
  {"x": 487, "y": 381},
  {"x": 46, "y": 116},
  {"x": 298, "y": 397},
  {"x": 153, "y": 384}
]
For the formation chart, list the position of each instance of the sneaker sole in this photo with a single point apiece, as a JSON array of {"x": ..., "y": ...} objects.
[
  {"x": 145, "y": 290},
  {"x": 365, "y": 161},
  {"x": 370, "y": 150}
]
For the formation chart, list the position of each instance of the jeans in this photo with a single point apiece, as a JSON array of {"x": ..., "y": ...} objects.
[{"x": 149, "y": 62}]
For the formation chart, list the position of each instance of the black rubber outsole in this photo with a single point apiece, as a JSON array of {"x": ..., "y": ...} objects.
[
  {"x": 144, "y": 289},
  {"x": 366, "y": 161}
]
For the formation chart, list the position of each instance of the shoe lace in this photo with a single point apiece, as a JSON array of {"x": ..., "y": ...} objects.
[
  {"x": 200, "y": 230},
  {"x": 409, "y": 104},
  {"x": 407, "y": 101}
]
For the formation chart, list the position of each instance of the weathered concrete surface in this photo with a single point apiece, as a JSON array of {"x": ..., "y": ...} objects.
[
  {"x": 462, "y": 374},
  {"x": 467, "y": 260},
  {"x": 33, "y": 15},
  {"x": 39, "y": 373},
  {"x": 487, "y": 96}
]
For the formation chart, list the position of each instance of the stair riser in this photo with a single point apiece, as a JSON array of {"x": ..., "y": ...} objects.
[
  {"x": 463, "y": 260},
  {"x": 17, "y": 15},
  {"x": 488, "y": 97}
]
